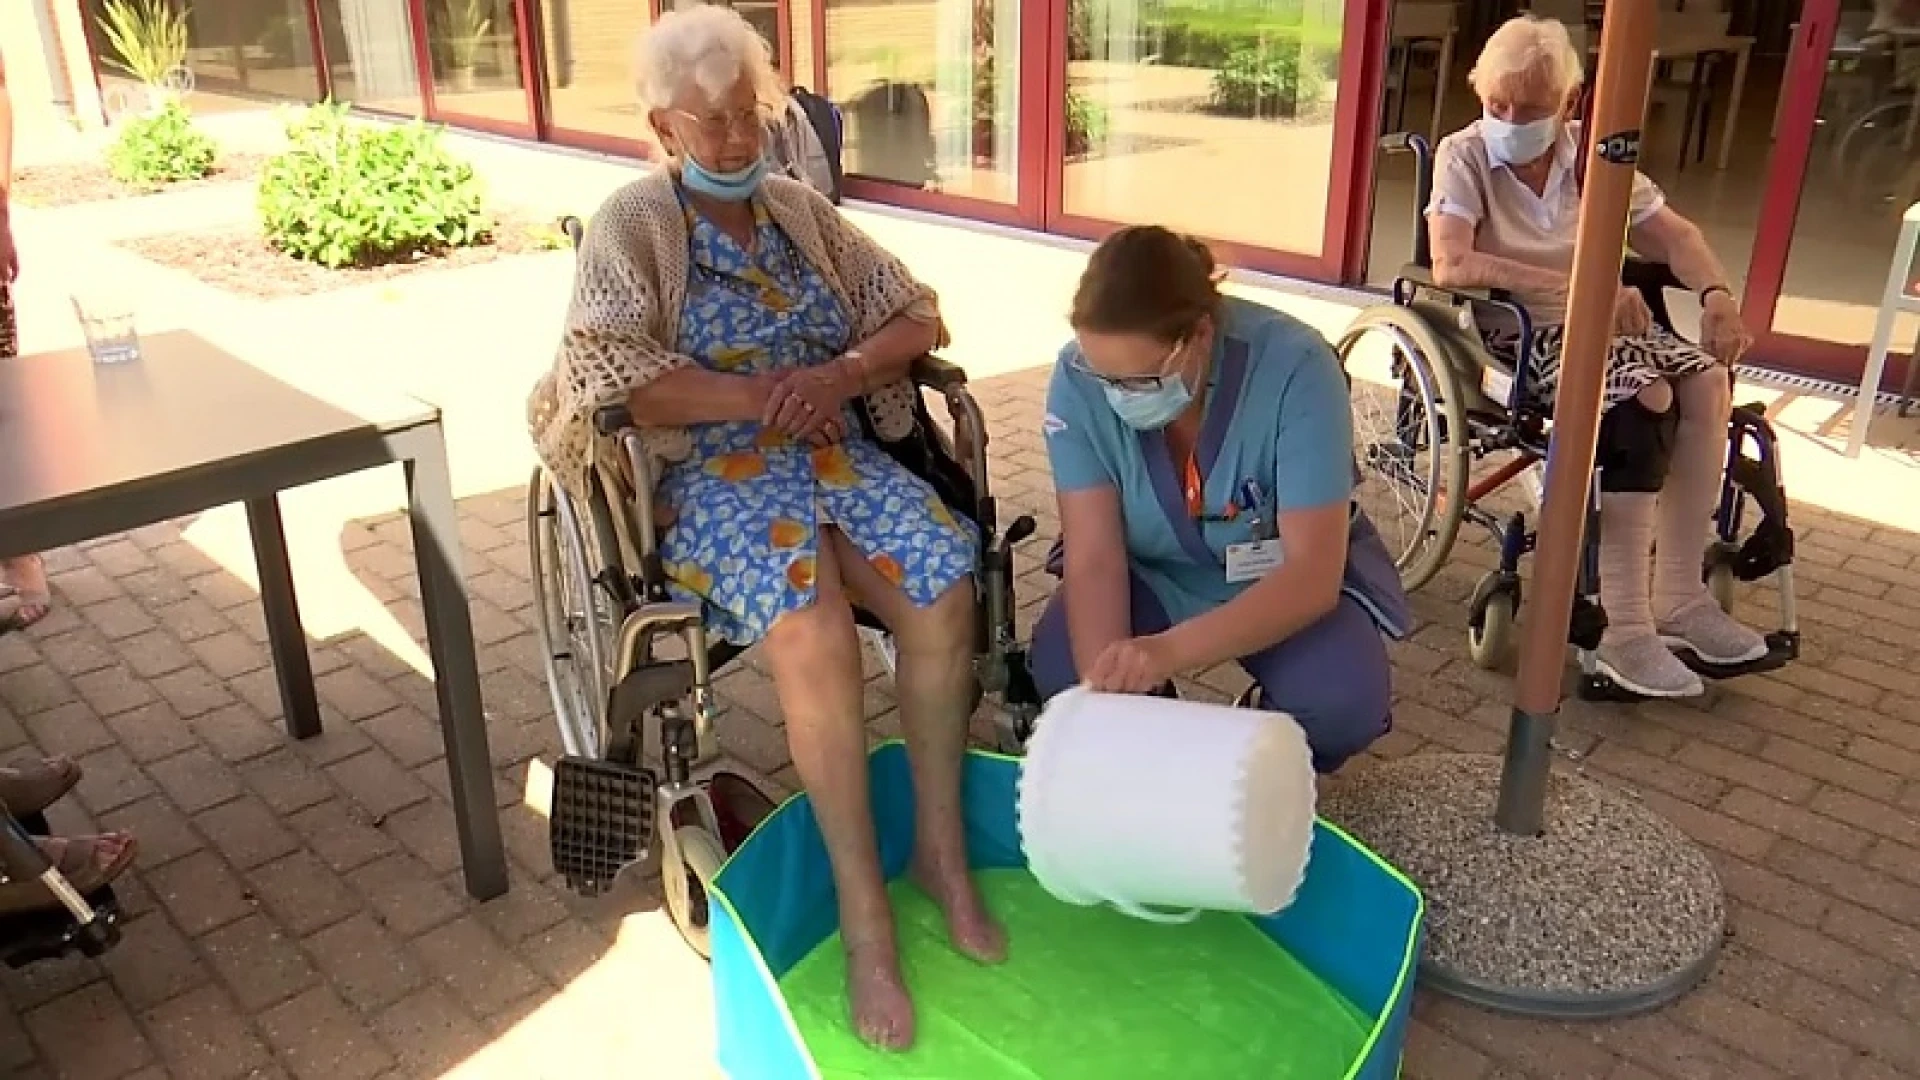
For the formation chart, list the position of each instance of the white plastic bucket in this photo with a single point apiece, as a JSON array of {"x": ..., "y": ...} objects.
[{"x": 1148, "y": 803}]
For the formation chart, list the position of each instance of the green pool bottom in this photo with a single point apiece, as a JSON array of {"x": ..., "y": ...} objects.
[{"x": 1085, "y": 993}]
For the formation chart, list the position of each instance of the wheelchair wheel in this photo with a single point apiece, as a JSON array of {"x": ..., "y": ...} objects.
[
  {"x": 1409, "y": 432},
  {"x": 1490, "y": 643},
  {"x": 686, "y": 882},
  {"x": 577, "y": 620}
]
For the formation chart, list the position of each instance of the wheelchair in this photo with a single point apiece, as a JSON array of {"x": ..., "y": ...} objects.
[
  {"x": 623, "y": 656},
  {"x": 1446, "y": 404},
  {"x": 88, "y": 924}
]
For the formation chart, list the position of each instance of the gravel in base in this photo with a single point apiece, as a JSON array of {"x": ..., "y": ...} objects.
[{"x": 1613, "y": 900}]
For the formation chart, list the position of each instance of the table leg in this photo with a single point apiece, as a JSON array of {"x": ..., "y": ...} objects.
[
  {"x": 287, "y": 640},
  {"x": 1733, "y": 104},
  {"x": 456, "y": 674}
]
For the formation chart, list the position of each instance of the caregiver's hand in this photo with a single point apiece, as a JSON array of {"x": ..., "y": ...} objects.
[{"x": 1134, "y": 666}]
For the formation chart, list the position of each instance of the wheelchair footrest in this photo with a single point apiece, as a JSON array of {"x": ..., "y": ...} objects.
[
  {"x": 1783, "y": 647},
  {"x": 49, "y": 934},
  {"x": 602, "y": 821}
]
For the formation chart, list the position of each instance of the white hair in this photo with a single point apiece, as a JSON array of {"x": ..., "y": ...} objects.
[
  {"x": 1532, "y": 53},
  {"x": 708, "y": 47}
]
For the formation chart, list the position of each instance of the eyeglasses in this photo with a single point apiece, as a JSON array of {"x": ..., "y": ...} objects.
[
  {"x": 717, "y": 126},
  {"x": 1143, "y": 383}
]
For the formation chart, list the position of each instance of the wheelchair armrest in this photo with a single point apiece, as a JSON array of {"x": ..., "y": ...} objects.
[
  {"x": 1422, "y": 277},
  {"x": 610, "y": 420},
  {"x": 936, "y": 373}
]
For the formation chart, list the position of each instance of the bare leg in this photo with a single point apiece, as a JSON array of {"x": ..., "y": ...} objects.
[
  {"x": 936, "y": 684},
  {"x": 27, "y": 575},
  {"x": 815, "y": 656}
]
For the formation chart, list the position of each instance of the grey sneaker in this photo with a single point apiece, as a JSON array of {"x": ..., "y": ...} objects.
[
  {"x": 1643, "y": 664},
  {"x": 1700, "y": 627}
]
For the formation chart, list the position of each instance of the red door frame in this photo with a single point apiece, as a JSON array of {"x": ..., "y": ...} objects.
[{"x": 1803, "y": 85}]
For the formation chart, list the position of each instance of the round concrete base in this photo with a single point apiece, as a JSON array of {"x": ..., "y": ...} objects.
[{"x": 1613, "y": 911}]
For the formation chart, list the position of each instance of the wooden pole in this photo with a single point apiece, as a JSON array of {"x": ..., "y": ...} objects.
[{"x": 1612, "y": 147}]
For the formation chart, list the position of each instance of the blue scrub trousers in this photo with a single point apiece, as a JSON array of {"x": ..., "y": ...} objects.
[{"x": 1333, "y": 677}]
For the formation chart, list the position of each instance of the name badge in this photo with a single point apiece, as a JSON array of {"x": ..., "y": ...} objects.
[{"x": 1253, "y": 560}]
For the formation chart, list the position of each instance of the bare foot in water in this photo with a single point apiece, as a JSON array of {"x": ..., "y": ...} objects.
[
  {"x": 974, "y": 932},
  {"x": 877, "y": 995}
]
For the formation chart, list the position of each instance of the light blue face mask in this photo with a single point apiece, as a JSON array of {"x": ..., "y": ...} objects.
[
  {"x": 736, "y": 186},
  {"x": 1518, "y": 144},
  {"x": 1150, "y": 410}
]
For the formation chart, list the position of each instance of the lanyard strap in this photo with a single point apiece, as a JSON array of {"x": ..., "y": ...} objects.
[{"x": 1196, "y": 494}]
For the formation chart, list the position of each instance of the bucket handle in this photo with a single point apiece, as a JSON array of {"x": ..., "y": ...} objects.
[{"x": 1141, "y": 911}]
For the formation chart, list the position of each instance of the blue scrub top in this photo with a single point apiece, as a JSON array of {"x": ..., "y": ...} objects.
[{"x": 1276, "y": 415}]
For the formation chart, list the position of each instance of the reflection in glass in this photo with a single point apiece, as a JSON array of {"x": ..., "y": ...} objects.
[
  {"x": 474, "y": 46},
  {"x": 370, "y": 54},
  {"x": 1862, "y": 175},
  {"x": 930, "y": 91},
  {"x": 589, "y": 60},
  {"x": 1209, "y": 117},
  {"x": 255, "y": 46}
]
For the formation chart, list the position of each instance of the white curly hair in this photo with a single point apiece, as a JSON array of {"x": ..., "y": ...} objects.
[
  {"x": 708, "y": 47},
  {"x": 1528, "y": 56}
]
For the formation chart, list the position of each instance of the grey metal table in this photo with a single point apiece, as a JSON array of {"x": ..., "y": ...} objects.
[{"x": 88, "y": 451}]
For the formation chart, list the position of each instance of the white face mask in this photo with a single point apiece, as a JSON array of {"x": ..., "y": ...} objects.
[{"x": 1518, "y": 144}]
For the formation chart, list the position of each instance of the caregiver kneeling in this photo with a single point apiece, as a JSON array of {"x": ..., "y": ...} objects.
[{"x": 1202, "y": 453}]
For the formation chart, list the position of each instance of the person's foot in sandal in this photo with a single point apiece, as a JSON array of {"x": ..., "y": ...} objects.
[
  {"x": 31, "y": 786},
  {"x": 26, "y": 575},
  {"x": 88, "y": 863}
]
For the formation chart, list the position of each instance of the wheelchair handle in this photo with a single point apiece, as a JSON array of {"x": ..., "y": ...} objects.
[
  {"x": 610, "y": 420},
  {"x": 575, "y": 231},
  {"x": 1402, "y": 142}
]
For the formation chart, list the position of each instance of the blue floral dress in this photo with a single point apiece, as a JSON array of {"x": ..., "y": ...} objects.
[{"x": 749, "y": 502}]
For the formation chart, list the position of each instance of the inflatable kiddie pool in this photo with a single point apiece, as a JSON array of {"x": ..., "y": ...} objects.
[{"x": 1320, "y": 991}]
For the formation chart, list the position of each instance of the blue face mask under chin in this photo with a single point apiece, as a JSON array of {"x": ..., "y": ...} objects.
[
  {"x": 1150, "y": 410},
  {"x": 736, "y": 186}
]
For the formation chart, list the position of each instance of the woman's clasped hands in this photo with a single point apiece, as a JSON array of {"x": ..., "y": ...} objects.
[{"x": 805, "y": 404}]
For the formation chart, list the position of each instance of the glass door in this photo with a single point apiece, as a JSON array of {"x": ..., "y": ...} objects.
[
  {"x": 370, "y": 55},
  {"x": 587, "y": 53},
  {"x": 473, "y": 55},
  {"x": 932, "y": 95},
  {"x": 1219, "y": 119},
  {"x": 1846, "y": 168}
]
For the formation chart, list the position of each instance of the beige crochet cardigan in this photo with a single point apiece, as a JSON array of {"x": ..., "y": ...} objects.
[{"x": 630, "y": 283}]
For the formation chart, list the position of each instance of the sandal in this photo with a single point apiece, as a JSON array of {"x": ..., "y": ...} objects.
[
  {"x": 89, "y": 863},
  {"x": 32, "y": 786},
  {"x": 27, "y": 579}
]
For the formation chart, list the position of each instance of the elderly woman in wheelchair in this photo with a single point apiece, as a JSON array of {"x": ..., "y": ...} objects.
[
  {"x": 752, "y": 355},
  {"x": 1500, "y": 220}
]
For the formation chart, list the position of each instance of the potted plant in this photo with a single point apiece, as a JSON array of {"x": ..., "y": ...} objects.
[
  {"x": 469, "y": 22},
  {"x": 148, "y": 39}
]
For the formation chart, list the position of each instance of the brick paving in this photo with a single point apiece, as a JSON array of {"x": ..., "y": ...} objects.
[{"x": 297, "y": 909}]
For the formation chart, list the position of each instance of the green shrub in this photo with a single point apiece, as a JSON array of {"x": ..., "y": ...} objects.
[
  {"x": 1086, "y": 124},
  {"x": 1266, "y": 82},
  {"x": 161, "y": 148},
  {"x": 349, "y": 194}
]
